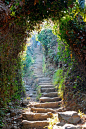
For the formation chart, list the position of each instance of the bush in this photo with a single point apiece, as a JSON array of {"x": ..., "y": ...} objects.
[{"x": 48, "y": 39}]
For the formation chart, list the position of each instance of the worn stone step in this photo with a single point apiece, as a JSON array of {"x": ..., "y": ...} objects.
[
  {"x": 47, "y": 90},
  {"x": 42, "y": 110},
  {"x": 51, "y": 94},
  {"x": 38, "y": 75},
  {"x": 46, "y": 86},
  {"x": 48, "y": 99},
  {"x": 44, "y": 79},
  {"x": 34, "y": 124},
  {"x": 48, "y": 81},
  {"x": 36, "y": 116},
  {"x": 45, "y": 83},
  {"x": 37, "y": 64},
  {"x": 46, "y": 105}
]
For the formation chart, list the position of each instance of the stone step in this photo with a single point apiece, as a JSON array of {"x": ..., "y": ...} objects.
[
  {"x": 48, "y": 81},
  {"x": 42, "y": 110},
  {"x": 48, "y": 99},
  {"x": 37, "y": 76},
  {"x": 36, "y": 116},
  {"x": 34, "y": 124},
  {"x": 46, "y": 86},
  {"x": 51, "y": 94},
  {"x": 37, "y": 64},
  {"x": 44, "y": 79},
  {"x": 46, "y": 105},
  {"x": 47, "y": 90},
  {"x": 45, "y": 83},
  {"x": 37, "y": 67}
]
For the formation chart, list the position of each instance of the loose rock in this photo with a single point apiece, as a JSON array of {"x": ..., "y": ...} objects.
[
  {"x": 69, "y": 116},
  {"x": 30, "y": 95},
  {"x": 24, "y": 102}
]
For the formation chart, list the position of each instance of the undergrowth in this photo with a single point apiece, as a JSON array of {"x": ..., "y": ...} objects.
[
  {"x": 38, "y": 90},
  {"x": 65, "y": 63},
  {"x": 43, "y": 65},
  {"x": 39, "y": 94},
  {"x": 27, "y": 61},
  {"x": 52, "y": 121}
]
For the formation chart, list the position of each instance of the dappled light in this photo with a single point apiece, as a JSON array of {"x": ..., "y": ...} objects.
[{"x": 42, "y": 64}]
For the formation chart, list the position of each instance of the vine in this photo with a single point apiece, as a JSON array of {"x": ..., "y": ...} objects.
[{"x": 16, "y": 17}]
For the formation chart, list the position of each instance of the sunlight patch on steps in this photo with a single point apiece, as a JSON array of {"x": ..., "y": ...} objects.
[{"x": 52, "y": 121}]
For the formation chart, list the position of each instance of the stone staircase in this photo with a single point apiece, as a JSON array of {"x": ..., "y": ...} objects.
[
  {"x": 37, "y": 115},
  {"x": 39, "y": 111},
  {"x": 49, "y": 102}
]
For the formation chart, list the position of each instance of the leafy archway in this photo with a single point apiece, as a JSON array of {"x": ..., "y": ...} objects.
[{"x": 14, "y": 16}]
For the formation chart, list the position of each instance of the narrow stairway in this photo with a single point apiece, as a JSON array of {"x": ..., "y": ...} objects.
[{"x": 36, "y": 117}]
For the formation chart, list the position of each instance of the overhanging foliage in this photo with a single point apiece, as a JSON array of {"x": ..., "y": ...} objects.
[{"x": 13, "y": 24}]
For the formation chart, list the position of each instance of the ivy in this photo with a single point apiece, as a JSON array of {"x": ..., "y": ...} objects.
[{"x": 26, "y": 15}]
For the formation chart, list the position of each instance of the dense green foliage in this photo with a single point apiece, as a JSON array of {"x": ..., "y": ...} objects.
[
  {"x": 65, "y": 62},
  {"x": 56, "y": 56},
  {"x": 73, "y": 31},
  {"x": 49, "y": 41},
  {"x": 27, "y": 61},
  {"x": 12, "y": 43}
]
